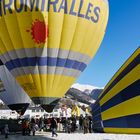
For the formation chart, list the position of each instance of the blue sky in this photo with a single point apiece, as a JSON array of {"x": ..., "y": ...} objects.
[{"x": 121, "y": 40}]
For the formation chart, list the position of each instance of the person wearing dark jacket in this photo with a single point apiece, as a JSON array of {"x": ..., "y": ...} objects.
[
  {"x": 53, "y": 127},
  {"x": 6, "y": 131},
  {"x": 81, "y": 122},
  {"x": 90, "y": 124}
]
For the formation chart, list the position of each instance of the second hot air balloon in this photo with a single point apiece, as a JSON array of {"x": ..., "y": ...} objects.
[{"x": 11, "y": 93}]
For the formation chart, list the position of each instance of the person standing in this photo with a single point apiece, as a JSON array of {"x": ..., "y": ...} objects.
[
  {"x": 73, "y": 125},
  {"x": 69, "y": 125},
  {"x": 6, "y": 131},
  {"x": 24, "y": 127},
  {"x": 41, "y": 124},
  {"x": 90, "y": 125},
  {"x": 81, "y": 122},
  {"x": 86, "y": 125},
  {"x": 28, "y": 127},
  {"x": 33, "y": 126},
  {"x": 53, "y": 127}
]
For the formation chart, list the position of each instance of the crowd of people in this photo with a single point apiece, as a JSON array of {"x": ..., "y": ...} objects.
[
  {"x": 31, "y": 126},
  {"x": 67, "y": 125}
]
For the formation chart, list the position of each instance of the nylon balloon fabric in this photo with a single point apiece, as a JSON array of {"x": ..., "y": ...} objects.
[
  {"x": 46, "y": 44},
  {"x": 11, "y": 93}
]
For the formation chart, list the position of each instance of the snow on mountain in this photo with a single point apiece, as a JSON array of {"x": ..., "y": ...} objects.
[
  {"x": 1, "y": 101},
  {"x": 85, "y": 88}
]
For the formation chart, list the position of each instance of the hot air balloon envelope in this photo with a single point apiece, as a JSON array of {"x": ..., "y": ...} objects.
[
  {"x": 11, "y": 93},
  {"x": 117, "y": 110},
  {"x": 46, "y": 44}
]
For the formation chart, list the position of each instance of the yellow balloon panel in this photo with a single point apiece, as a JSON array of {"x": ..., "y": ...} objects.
[
  {"x": 46, "y": 44},
  {"x": 66, "y": 30},
  {"x": 51, "y": 90}
]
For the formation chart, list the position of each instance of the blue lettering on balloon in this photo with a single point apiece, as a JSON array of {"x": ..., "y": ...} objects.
[
  {"x": 96, "y": 12},
  {"x": 72, "y": 8},
  {"x": 26, "y": 7},
  {"x": 53, "y": 3},
  {"x": 80, "y": 8},
  {"x": 32, "y": 4},
  {"x": 37, "y": 5},
  {"x": 88, "y": 11},
  {"x": 21, "y": 5},
  {"x": 7, "y": 6},
  {"x": 0, "y": 9},
  {"x": 63, "y": 6},
  {"x": 42, "y": 5}
]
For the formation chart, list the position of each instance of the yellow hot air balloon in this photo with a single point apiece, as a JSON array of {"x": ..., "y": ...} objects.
[{"x": 46, "y": 44}]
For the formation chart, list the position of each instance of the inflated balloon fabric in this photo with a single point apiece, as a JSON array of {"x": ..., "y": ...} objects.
[
  {"x": 46, "y": 44},
  {"x": 117, "y": 110},
  {"x": 11, "y": 93}
]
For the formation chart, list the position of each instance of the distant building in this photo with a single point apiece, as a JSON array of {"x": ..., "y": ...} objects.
[{"x": 36, "y": 111}]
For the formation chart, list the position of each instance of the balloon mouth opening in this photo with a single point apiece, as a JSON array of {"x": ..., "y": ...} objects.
[
  {"x": 19, "y": 108},
  {"x": 45, "y": 100},
  {"x": 49, "y": 107}
]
